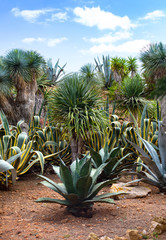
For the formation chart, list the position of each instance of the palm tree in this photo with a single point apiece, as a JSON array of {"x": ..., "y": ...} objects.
[
  {"x": 132, "y": 66},
  {"x": 75, "y": 103},
  {"x": 22, "y": 69},
  {"x": 154, "y": 65},
  {"x": 6, "y": 100},
  {"x": 119, "y": 68}
]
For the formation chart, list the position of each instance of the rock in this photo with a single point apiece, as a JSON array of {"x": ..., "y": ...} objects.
[
  {"x": 156, "y": 227},
  {"x": 133, "y": 235},
  {"x": 144, "y": 232},
  {"x": 120, "y": 238},
  {"x": 162, "y": 221},
  {"x": 105, "y": 238},
  {"x": 92, "y": 236},
  {"x": 132, "y": 192}
]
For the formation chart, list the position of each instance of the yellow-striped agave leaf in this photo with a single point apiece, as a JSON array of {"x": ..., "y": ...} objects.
[
  {"x": 12, "y": 152},
  {"x": 34, "y": 125},
  {"x": 31, "y": 159},
  {"x": 21, "y": 140}
]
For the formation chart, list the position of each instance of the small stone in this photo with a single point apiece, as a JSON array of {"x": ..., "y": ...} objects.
[
  {"x": 144, "y": 232},
  {"x": 156, "y": 227},
  {"x": 92, "y": 236},
  {"x": 133, "y": 235},
  {"x": 105, "y": 238},
  {"x": 64, "y": 220},
  {"x": 120, "y": 238},
  {"x": 162, "y": 221}
]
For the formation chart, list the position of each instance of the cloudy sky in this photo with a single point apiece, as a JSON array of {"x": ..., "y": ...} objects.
[{"x": 76, "y": 31}]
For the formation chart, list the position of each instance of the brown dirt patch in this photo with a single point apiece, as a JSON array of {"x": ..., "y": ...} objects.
[{"x": 22, "y": 218}]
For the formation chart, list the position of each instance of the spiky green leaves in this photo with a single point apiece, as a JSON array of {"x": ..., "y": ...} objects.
[
  {"x": 20, "y": 64},
  {"x": 78, "y": 187},
  {"x": 154, "y": 165},
  {"x": 113, "y": 165},
  {"x": 76, "y": 104}
]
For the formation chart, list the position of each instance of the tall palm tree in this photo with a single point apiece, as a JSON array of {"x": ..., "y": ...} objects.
[
  {"x": 154, "y": 64},
  {"x": 22, "y": 69},
  {"x": 6, "y": 100},
  {"x": 119, "y": 68},
  {"x": 75, "y": 103},
  {"x": 132, "y": 66}
]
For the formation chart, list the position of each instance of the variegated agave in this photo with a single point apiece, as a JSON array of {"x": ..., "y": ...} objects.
[
  {"x": 78, "y": 187},
  {"x": 7, "y": 171},
  {"x": 14, "y": 142},
  {"x": 154, "y": 165}
]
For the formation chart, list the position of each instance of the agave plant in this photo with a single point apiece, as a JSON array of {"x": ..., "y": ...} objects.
[
  {"x": 54, "y": 73},
  {"x": 105, "y": 70},
  {"x": 7, "y": 171},
  {"x": 78, "y": 187},
  {"x": 13, "y": 141},
  {"x": 50, "y": 141},
  {"x": 154, "y": 172},
  {"x": 113, "y": 165}
]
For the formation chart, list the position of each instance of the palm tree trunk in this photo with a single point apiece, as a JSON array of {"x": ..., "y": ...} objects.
[
  {"x": 117, "y": 77},
  {"x": 8, "y": 107},
  {"x": 25, "y": 100},
  {"x": 74, "y": 148}
]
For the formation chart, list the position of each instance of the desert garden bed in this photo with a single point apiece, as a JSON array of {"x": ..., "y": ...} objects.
[{"x": 23, "y": 218}]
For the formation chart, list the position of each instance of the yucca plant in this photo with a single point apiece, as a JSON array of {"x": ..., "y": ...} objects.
[
  {"x": 130, "y": 96},
  {"x": 75, "y": 104},
  {"x": 113, "y": 166},
  {"x": 78, "y": 187},
  {"x": 154, "y": 172}
]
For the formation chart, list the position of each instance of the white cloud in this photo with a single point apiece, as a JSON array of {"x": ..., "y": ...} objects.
[
  {"x": 60, "y": 16},
  {"x": 31, "y": 40},
  {"x": 103, "y": 20},
  {"x": 30, "y": 15},
  {"x": 54, "y": 41},
  {"x": 154, "y": 15},
  {"x": 110, "y": 38},
  {"x": 134, "y": 46}
]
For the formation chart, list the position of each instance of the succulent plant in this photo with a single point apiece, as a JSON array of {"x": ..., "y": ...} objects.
[
  {"x": 154, "y": 165},
  {"x": 113, "y": 165},
  {"x": 78, "y": 187}
]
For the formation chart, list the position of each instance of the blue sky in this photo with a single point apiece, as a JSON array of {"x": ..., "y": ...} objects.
[{"x": 76, "y": 31}]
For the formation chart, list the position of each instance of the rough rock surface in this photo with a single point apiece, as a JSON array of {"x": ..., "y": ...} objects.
[{"x": 131, "y": 191}]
